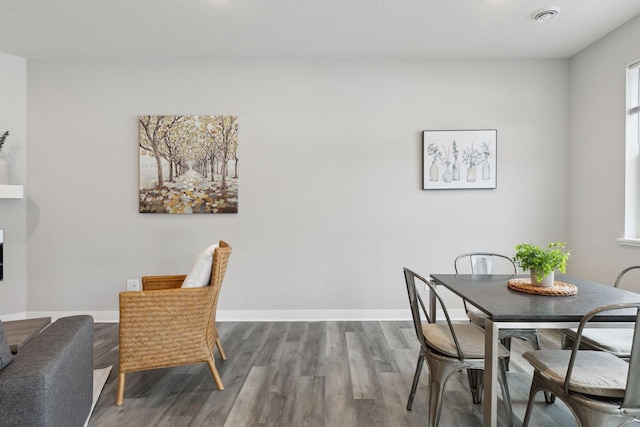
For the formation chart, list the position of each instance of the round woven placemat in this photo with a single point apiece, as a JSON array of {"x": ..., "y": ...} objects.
[{"x": 559, "y": 289}]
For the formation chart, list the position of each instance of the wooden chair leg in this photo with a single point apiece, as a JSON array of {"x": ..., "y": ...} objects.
[
  {"x": 223, "y": 356},
  {"x": 216, "y": 375},
  {"x": 120, "y": 393}
]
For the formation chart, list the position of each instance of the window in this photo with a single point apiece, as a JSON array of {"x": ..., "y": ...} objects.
[{"x": 632, "y": 158}]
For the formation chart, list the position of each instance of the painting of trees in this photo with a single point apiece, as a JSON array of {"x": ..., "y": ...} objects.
[{"x": 188, "y": 164}]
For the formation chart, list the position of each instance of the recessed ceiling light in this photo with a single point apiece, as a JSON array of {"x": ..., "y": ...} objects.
[{"x": 546, "y": 15}]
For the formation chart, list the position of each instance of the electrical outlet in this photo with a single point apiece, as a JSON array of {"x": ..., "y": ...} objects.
[{"x": 133, "y": 285}]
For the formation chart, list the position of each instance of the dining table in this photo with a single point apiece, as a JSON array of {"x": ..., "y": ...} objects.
[{"x": 514, "y": 309}]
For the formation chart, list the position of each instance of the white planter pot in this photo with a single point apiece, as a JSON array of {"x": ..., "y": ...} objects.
[{"x": 547, "y": 281}]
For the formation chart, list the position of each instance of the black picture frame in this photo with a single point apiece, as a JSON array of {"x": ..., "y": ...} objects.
[{"x": 459, "y": 159}]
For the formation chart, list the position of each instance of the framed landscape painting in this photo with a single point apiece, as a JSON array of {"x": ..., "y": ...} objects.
[
  {"x": 188, "y": 164},
  {"x": 459, "y": 159}
]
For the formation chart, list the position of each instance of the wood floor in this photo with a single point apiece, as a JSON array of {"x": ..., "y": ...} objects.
[{"x": 305, "y": 374}]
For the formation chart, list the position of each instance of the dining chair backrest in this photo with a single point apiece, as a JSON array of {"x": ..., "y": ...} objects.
[
  {"x": 624, "y": 272},
  {"x": 483, "y": 263},
  {"x": 415, "y": 301},
  {"x": 631, "y": 401}
]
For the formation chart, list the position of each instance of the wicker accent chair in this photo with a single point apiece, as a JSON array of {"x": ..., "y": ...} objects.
[{"x": 165, "y": 325}]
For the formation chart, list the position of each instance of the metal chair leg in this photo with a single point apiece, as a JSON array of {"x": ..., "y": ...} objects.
[
  {"x": 504, "y": 385},
  {"x": 475, "y": 377},
  {"x": 440, "y": 372},
  {"x": 533, "y": 338},
  {"x": 535, "y": 343},
  {"x": 506, "y": 342},
  {"x": 416, "y": 377},
  {"x": 566, "y": 343},
  {"x": 532, "y": 394}
]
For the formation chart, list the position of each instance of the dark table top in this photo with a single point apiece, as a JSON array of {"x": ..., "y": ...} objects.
[{"x": 491, "y": 295}]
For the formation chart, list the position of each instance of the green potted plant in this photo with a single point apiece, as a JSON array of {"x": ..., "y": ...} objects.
[{"x": 542, "y": 262}]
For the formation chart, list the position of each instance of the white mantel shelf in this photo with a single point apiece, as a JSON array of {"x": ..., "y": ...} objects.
[{"x": 11, "y": 192}]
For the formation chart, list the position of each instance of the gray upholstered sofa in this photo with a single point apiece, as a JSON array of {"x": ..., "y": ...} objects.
[{"x": 50, "y": 380}]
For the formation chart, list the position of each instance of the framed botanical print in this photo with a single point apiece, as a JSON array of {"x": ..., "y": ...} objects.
[{"x": 459, "y": 159}]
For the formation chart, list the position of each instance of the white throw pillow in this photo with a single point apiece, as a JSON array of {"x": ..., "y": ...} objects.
[{"x": 200, "y": 274}]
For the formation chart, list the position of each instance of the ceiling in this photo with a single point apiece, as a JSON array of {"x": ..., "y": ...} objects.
[{"x": 304, "y": 29}]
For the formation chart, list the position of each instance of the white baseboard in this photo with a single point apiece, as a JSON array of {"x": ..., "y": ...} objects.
[
  {"x": 257, "y": 315},
  {"x": 98, "y": 316},
  {"x": 309, "y": 315},
  {"x": 13, "y": 316}
]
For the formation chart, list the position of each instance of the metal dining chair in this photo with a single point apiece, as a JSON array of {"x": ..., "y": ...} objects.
[
  {"x": 483, "y": 263},
  {"x": 600, "y": 389},
  {"x": 447, "y": 348},
  {"x": 613, "y": 340}
]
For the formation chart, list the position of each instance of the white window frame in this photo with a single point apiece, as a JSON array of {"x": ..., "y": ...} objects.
[{"x": 632, "y": 158}]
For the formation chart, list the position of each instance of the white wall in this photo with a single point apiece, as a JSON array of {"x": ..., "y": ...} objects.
[
  {"x": 597, "y": 146},
  {"x": 13, "y": 118},
  {"x": 330, "y": 199}
]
